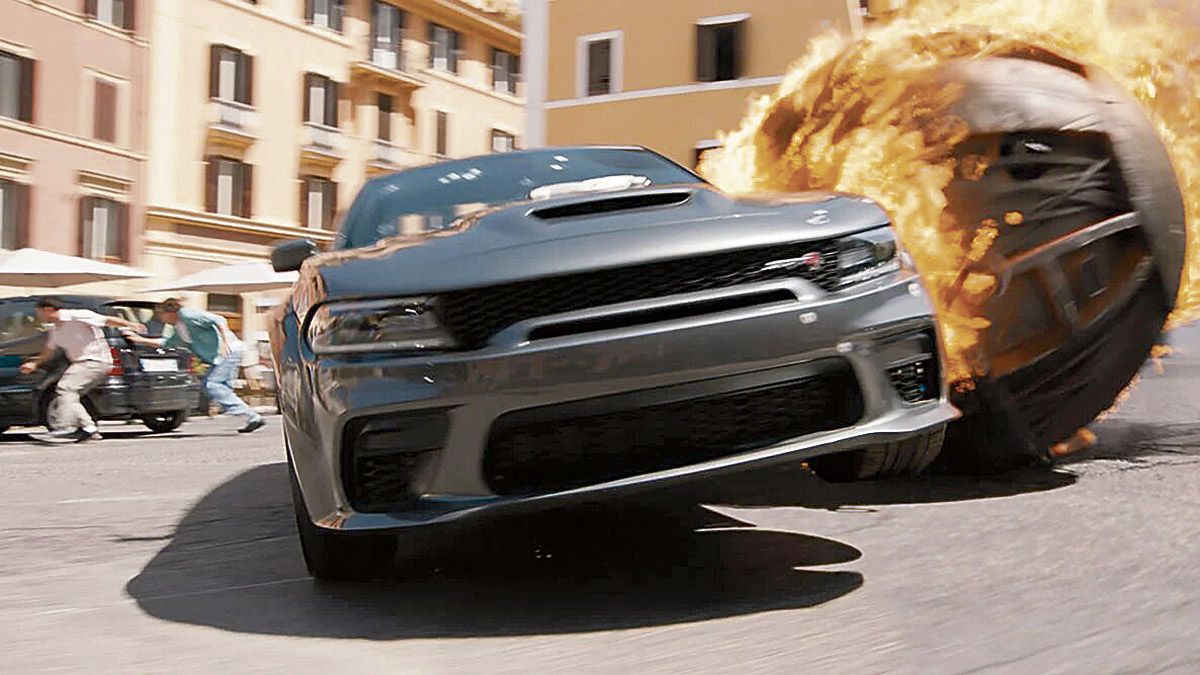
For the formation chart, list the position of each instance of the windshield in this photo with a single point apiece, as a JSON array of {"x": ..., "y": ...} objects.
[{"x": 432, "y": 197}]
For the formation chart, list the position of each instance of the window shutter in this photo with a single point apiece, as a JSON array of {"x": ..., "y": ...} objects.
[
  {"x": 303, "y": 202},
  {"x": 374, "y": 30},
  {"x": 706, "y": 54},
  {"x": 214, "y": 71},
  {"x": 453, "y": 51},
  {"x": 20, "y": 193},
  {"x": 121, "y": 249},
  {"x": 247, "y": 73},
  {"x": 130, "y": 23},
  {"x": 331, "y": 103},
  {"x": 210, "y": 184},
  {"x": 247, "y": 189},
  {"x": 330, "y": 204},
  {"x": 337, "y": 9},
  {"x": 105, "y": 112},
  {"x": 308, "y": 83},
  {"x": 431, "y": 37},
  {"x": 442, "y": 131},
  {"x": 85, "y": 223},
  {"x": 25, "y": 95},
  {"x": 739, "y": 31},
  {"x": 384, "y": 123},
  {"x": 89, "y": 8}
]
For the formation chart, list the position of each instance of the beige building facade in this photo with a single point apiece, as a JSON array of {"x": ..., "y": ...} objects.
[
  {"x": 268, "y": 116},
  {"x": 667, "y": 75}
]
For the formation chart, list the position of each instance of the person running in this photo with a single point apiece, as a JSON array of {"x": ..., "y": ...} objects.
[
  {"x": 78, "y": 333},
  {"x": 208, "y": 337}
]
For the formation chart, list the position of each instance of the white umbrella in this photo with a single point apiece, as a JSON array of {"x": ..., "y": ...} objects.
[
  {"x": 232, "y": 279},
  {"x": 31, "y": 267}
]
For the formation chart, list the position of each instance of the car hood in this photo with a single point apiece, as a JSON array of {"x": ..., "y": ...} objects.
[{"x": 583, "y": 232}]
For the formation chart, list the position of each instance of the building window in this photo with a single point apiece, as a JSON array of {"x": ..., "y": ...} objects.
[
  {"x": 16, "y": 87},
  {"x": 104, "y": 112},
  {"x": 325, "y": 13},
  {"x": 719, "y": 48},
  {"x": 506, "y": 71},
  {"x": 115, "y": 13},
  {"x": 502, "y": 141},
  {"x": 387, "y": 35},
  {"x": 384, "y": 128},
  {"x": 320, "y": 100},
  {"x": 318, "y": 202},
  {"x": 230, "y": 75},
  {"x": 444, "y": 47},
  {"x": 228, "y": 187},
  {"x": 14, "y": 214},
  {"x": 443, "y": 132},
  {"x": 102, "y": 228},
  {"x": 598, "y": 64},
  {"x": 228, "y": 307}
]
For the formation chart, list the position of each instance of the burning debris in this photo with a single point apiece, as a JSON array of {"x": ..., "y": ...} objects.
[{"x": 1038, "y": 161}]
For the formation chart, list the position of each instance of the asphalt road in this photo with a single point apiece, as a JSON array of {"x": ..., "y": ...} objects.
[{"x": 177, "y": 553}]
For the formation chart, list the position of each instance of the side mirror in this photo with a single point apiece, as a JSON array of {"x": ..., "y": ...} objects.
[{"x": 288, "y": 256}]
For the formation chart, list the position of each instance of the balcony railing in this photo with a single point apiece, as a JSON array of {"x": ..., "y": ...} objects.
[
  {"x": 390, "y": 155},
  {"x": 232, "y": 123},
  {"x": 390, "y": 57},
  {"x": 323, "y": 138},
  {"x": 386, "y": 65},
  {"x": 232, "y": 114}
]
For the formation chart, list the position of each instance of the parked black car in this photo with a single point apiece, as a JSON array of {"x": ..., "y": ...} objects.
[{"x": 153, "y": 385}]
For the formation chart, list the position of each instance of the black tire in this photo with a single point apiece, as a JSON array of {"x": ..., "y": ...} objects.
[
  {"x": 161, "y": 423},
  {"x": 908, "y": 457},
  {"x": 335, "y": 557},
  {"x": 1070, "y": 332}
]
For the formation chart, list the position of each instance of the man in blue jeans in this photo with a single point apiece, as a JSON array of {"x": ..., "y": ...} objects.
[{"x": 208, "y": 337}]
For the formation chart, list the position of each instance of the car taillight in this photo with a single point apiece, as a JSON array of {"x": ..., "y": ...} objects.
[{"x": 117, "y": 369}]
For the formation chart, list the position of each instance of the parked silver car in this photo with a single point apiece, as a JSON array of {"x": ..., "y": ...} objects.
[{"x": 528, "y": 329}]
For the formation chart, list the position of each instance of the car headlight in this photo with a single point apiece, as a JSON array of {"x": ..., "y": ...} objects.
[
  {"x": 869, "y": 255},
  {"x": 394, "y": 325}
]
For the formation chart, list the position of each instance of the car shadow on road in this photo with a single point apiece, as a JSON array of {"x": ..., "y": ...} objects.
[
  {"x": 234, "y": 563},
  {"x": 109, "y": 433},
  {"x": 1141, "y": 443},
  {"x": 795, "y": 486}
]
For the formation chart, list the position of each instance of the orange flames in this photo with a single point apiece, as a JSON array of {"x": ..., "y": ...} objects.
[{"x": 868, "y": 117}]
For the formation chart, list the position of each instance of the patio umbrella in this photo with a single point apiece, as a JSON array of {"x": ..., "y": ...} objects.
[
  {"x": 232, "y": 279},
  {"x": 31, "y": 267}
]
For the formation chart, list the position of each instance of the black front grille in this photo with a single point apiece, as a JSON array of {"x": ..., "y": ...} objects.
[
  {"x": 382, "y": 456},
  {"x": 535, "y": 451},
  {"x": 475, "y": 315},
  {"x": 916, "y": 382}
]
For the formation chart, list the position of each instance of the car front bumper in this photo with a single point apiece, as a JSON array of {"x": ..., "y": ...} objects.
[{"x": 697, "y": 356}]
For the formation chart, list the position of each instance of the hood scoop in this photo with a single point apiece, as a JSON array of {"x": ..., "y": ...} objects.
[{"x": 627, "y": 202}]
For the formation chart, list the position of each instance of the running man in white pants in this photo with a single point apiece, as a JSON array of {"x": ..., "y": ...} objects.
[{"x": 78, "y": 333}]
